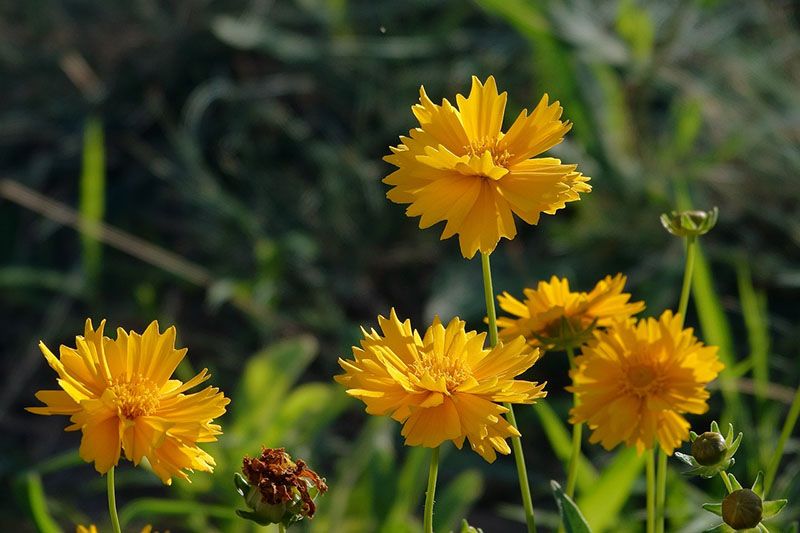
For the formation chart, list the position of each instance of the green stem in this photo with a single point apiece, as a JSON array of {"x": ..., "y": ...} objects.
[
  {"x": 433, "y": 473},
  {"x": 516, "y": 442},
  {"x": 112, "y": 502},
  {"x": 281, "y": 528},
  {"x": 726, "y": 480},
  {"x": 788, "y": 427},
  {"x": 651, "y": 491},
  {"x": 577, "y": 433},
  {"x": 686, "y": 288},
  {"x": 661, "y": 489}
]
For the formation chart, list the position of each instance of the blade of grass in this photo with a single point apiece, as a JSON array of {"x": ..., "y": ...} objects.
[
  {"x": 92, "y": 194},
  {"x": 755, "y": 319},
  {"x": 37, "y": 503},
  {"x": 602, "y": 504},
  {"x": 560, "y": 441}
]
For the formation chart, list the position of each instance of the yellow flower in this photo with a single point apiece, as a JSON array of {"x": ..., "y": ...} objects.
[
  {"x": 553, "y": 317},
  {"x": 443, "y": 386},
  {"x": 120, "y": 395},
  {"x": 459, "y": 167},
  {"x": 635, "y": 381}
]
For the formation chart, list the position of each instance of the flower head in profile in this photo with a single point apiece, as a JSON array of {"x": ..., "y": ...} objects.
[
  {"x": 119, "y": 394},
  {"x": 635, "y": 381},
  {"x": 556, "y": 318},
  {"x": 459, "y": 167},
  {"x": 441, "y": 386}
]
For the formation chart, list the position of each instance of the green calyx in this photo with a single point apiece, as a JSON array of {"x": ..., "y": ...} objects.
[{"x": 690, "y": 223}]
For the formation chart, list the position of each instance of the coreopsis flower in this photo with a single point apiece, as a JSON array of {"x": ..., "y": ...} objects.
[
  {"x": 441, "y": 386},
  {"x": 277, "y": 489},
  {"x": 635, "y": 381},
  {"x": 119, "y": 394},
  {"x": 459, "y": 167},
  {"x": 556, "y": 318},
  {"x": 744, "y": 509}
]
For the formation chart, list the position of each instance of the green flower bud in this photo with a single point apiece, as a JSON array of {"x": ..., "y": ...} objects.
[
  {"x": 742, "y": 509},
  {"x": 709, "y": 448},
  {"x": 690, "y": 223}
]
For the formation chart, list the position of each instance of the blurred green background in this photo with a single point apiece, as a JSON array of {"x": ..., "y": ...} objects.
[{"x": 224, "y": 158}]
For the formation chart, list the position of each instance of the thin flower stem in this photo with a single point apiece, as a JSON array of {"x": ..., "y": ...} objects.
[
  {"x": 577, "y": 433},
  {"x": 112, "y": 501},
  {"x": 433, "y": 473},
  {"x": 281, "y": 528},
  {"x": 788, "y": 427},
  {"x": 516, "y": 442},
  {"x": 686, "y": 288},
  {"x": 726, "y": 480},
  {"x": 651, "y": 491},
  {"x": 661, "y": 489}
]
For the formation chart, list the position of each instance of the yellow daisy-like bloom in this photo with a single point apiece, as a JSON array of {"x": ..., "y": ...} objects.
[
  {"x": 120, "y": 395},
  {"x": 443, "y": 386},
  {"x": 553, "y": 317},
  {"x": 635, "y": 382},
  {"x": 459, "y": 167}
]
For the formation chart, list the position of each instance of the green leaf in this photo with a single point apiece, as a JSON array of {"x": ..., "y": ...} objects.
[
  {"x": 92, "y": 194},
  {"x": 571, "y": 516},
  {"x": 603, "y": 503},
  {"x": 307, "y": 410},
  {"x": 266, "y": 380},
  {"x": 456, "y": 499},
  {"x": 150, "y": 507},
  {"x": 37, "y": 503},
  {"x": 561, "y": 443}
]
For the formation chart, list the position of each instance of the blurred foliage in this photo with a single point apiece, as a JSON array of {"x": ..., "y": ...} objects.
[{"x": 244, "y": 138}]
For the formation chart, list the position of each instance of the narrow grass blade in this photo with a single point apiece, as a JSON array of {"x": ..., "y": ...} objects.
[
  {"x": 603, "y": 503},
  {"x": 92, "y": 193}
]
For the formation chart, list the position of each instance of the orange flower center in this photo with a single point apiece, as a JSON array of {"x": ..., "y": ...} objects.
[
  {"x": 454, "y": 371},
  {"x": 642, "y": 379},
  {"x": 136, "y": 397},
  {"x": 489, "y": 144}
]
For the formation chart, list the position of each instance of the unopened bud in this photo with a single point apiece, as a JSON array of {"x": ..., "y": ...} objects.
[
  {"x": 742, "y": 509},
  {"x": 709, "y": 448},
  {"x": 690, "y": 223}
]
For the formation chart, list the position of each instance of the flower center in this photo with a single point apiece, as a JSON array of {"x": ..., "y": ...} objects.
[
  {"x": 489, "y": 144},
  {"x": 135, "y": 397},
  {"x": 454, "y": 371},
  {"x": 642, "y": 378}
]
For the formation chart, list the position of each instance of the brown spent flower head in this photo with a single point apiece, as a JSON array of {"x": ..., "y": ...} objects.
[{"x": 277, "y": 477}]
